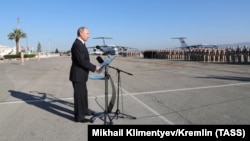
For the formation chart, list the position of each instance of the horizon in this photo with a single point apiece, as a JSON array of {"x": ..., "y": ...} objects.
[
  {"x": 232, "y": 45},
  {"x": 136, "y": 24}
]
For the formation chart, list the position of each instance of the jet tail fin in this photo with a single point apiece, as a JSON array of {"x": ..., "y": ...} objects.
[{"x": 183, "y": 43}]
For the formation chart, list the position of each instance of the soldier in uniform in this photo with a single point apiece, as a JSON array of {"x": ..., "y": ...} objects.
[
  {"x": 172, "y": 54},
  {"x": 198, "y": 52},
  {"x": 233, "y": 55},
  {"x": 176, "y": 55},
  {"x": 238, "y": 54},
  {"x": 249, "y": 54},
  {"x": 181, "y": 54},
  {"x": 222, "y": 54},
  {"x": 212, "y": 54},
  {"x": 207, "y": 55},
  {"x": 192, "y": 55},
  {"x": 189, "y": 54},
  {"x": 227, "y": 53},
  {"x": 217, "y": 54},
  {"x": 185, "y": 54},
  {"x": 203, "y": 55},
  {"x": 168, "y": 54},
  {"x": 245, "y": 54}
]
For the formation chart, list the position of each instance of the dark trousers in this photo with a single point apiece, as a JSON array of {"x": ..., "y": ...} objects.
[{"x": 80, "y": 99}]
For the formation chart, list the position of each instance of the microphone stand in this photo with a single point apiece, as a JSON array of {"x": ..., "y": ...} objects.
[{"x": 118, "y": 113}]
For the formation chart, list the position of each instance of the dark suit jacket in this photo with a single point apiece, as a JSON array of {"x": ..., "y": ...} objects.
[{"x": 80, "y": 62}]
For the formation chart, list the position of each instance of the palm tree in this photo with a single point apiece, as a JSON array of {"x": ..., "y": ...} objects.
[{"x": 17, "y": 34}]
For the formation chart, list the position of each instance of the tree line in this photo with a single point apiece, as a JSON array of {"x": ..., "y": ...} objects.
[{"x": 17, "y": 34}]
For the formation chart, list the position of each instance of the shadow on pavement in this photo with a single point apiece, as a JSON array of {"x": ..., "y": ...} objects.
[
  {"x": 235, "y": 78},
  {"x": 46, "y": 102}
]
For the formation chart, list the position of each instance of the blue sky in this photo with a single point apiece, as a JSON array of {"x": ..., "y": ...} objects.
[{"x": 142, "y": 24}]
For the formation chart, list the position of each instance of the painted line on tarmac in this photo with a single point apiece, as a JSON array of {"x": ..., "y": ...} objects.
[
  {"x": 174, "y": 90},
  {"x": 131, "y": 95},
  {"x": 187, "y": 89},
  {"x": 128, "y": 94},
  {"x": 149, "y": 108}
]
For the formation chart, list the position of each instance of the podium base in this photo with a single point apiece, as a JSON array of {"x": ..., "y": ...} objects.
[
  {"x": 102, "y": 116},
  {"x": 118, "y": 114}
]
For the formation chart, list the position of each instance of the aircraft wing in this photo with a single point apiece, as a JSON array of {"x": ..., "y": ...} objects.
[
  {"x": 191, "y": 46},
  {"x": 102, "y": 38},
  {"x": 95, "y": 50},
  {"x": 92, "y": 47},
  {"x": 209, "y": 46},
  {"x": 199, "y": 46},
  {"x": 194, "y": 46},
  {"x": 124, "y": 48}
]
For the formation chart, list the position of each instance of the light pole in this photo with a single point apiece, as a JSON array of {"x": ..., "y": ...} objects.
[{"x": 18, "y": 21}]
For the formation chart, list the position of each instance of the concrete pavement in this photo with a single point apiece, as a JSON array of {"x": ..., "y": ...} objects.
[{"x": 36, "y": 99}]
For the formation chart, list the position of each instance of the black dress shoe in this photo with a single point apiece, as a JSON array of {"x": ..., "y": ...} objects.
[
  {"x": 90, "y": 112},
  {"x": 83, "y": 120}
]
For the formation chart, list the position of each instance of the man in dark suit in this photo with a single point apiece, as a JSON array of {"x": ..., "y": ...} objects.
[{"x": 79, "y": 72}]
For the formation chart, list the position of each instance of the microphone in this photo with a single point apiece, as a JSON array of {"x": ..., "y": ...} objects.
[
  {"x": 99, "y": 59},
  {"x": 98, "y": 47}
]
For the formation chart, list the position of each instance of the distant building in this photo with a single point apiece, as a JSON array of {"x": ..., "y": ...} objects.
[{"x": 4, "y": 50}]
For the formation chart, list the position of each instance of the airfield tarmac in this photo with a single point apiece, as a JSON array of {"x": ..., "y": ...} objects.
[{"x": 36, "y": 98}]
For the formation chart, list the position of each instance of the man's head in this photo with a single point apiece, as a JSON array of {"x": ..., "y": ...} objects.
[{"x": 83, "y": 33}]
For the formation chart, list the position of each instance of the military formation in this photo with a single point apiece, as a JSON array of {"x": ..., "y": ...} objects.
[
  {"x": 132, "y": 53},
  {"x": 229, "y": 54}
]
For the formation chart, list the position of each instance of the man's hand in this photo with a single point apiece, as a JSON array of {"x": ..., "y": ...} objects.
[{"x": 97, "y": 67}]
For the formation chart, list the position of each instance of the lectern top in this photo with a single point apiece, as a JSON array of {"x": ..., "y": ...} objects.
[{"x": 106, "y": 62}]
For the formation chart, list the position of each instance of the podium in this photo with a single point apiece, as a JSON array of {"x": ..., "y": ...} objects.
[{"x": 105, "y": 115}]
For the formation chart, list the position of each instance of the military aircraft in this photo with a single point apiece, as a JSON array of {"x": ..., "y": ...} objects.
[
  {"x": 107, "y": 49},
  {"x": 185, "y": 46}
]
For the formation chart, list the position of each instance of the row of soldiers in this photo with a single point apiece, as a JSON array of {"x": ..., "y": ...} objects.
[
  {"x": 228, "y": 54},
  {"x": 132, "y": 53}
]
